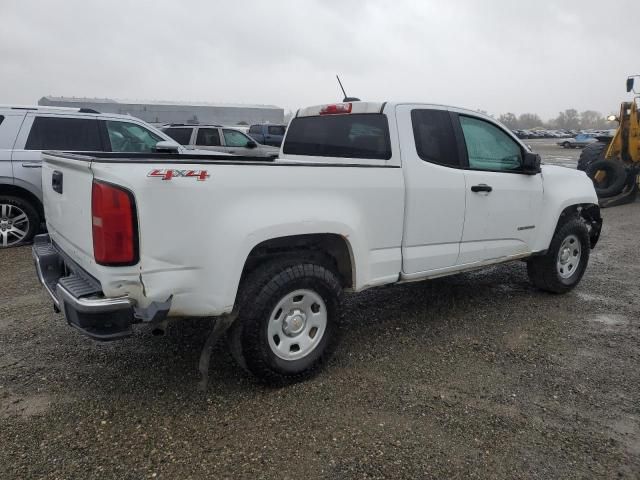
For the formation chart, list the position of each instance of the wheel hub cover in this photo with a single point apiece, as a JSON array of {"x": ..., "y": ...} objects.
[{"x": 294, "y": 323}]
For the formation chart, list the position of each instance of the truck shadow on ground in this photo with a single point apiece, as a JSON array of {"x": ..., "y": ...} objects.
[{"x": 371, "y": 323}]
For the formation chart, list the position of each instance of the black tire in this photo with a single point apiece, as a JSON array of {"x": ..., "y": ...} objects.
[
  {"x": 259, "y": 295},
  {"x": 590, "y": 154},
  {"x": 14, "y": 207},
  {"x": 616, "y": 177},
  {"x": 544, "y": 270},
  {"x": 566, "y": 145}
]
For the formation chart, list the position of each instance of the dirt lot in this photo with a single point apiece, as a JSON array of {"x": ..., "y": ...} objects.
[{"x": 472, "y": 376}]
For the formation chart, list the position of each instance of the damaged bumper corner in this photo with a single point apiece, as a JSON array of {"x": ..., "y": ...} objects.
[{"x": 80, "y": 298}]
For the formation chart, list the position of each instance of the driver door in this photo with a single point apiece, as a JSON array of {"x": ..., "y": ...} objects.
[{"x": 503, "y": 205}]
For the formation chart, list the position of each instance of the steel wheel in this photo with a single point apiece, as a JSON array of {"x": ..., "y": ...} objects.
[
  {"x": 14, "y": 225},
  {"x": 568, "y": 256},
  {"x": 297, "y": 324}
]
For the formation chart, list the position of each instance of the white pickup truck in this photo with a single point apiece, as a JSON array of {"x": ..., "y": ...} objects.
[{"x": 363, "y": 194}]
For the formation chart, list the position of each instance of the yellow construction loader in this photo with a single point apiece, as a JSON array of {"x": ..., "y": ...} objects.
[{"x": 613, "y": 164}]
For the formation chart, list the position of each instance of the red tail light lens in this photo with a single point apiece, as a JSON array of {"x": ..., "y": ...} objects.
[
  {"x": 113, "y": 211},
  {"x": 336, "y": 108}
]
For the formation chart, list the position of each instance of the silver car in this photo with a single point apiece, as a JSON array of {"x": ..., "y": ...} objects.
[
  {"x": 580, "y": 141},
  {"x": 219, "y": 139},
  {"x": 26, "y": 131}
]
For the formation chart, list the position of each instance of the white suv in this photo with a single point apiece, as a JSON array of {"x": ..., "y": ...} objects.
[{"x": 26, "y": 131}]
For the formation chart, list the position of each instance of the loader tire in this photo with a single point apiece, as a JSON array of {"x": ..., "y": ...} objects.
[
  {"x": 590, "y": 154},
  {"x": 615, "y": 180}
]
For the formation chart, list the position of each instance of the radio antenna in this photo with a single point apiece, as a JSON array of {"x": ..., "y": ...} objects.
[{"x": 346, "y": 99}]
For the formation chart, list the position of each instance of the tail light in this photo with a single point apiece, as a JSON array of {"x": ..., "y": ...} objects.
[
  {"x": 336, "y": 108},
  {"x": 115, "y": 236}
]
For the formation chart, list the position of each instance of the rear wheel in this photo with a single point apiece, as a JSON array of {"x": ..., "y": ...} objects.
[
  {"x": 287, "y": 320},
  {"x": 19, "y": 221},
  {"x": 562, "y": 267}
]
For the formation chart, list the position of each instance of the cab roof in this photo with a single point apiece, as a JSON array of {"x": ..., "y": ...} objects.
[{"x": 375, "y": 107}]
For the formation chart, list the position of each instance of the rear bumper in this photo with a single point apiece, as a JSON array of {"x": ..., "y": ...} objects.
[{"x": 79, "y": 296}]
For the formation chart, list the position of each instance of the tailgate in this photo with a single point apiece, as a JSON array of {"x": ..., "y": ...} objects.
[{"x": 66, "y": 189}]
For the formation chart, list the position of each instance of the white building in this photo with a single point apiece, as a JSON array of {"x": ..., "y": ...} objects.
[{"x": 160, "y": 113}]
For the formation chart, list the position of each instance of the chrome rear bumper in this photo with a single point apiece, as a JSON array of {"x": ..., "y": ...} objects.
[{"x": 79, "y": 296}]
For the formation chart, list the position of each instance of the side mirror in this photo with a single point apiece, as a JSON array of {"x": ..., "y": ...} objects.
[
  {"x": 251, "y": 144},
  {"x": 531, "y": 163},
  {"x": 167, "y": 147},
  {"x": 630, "y": 82}
]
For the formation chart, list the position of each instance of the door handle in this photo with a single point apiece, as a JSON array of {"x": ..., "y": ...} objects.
[
  {"x": 32, "y": 164},
  {"x": 481, "y": 188},
  {"x": 56, "y": 181}
]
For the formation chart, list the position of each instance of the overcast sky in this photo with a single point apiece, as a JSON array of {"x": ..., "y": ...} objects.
[{"x": 538, "y": 56}]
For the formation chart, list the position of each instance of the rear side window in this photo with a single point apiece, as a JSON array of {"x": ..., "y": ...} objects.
[
  {"x": 344, "y": 136},
  {"x": 255, "y": 129},
  {"x": 59, "y": 133},
  {"x": 1, "y": 119},
  {"x": 180, "y": 135},
  {"x": 208, "y": 137},
  {"x": 277, "y": 130},
  {"x": 434, "y": 137}
]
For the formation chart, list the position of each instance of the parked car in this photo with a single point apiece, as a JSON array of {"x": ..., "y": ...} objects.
[
  {"x": 268, "y": 134},
  {"x": 579, "y": 141},
  {"x": 217, "y": 138},
  {"x": 269, "y": 246},
  {"x": 26, "y": 131}
]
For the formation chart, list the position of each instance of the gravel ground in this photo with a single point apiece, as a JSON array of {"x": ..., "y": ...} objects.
[{"x": 472, "y": 376}]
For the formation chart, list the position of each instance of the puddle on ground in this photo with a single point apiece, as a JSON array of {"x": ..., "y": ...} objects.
[
  {"x": 628, "y": 430},
  {"x": 24, "y": 406},
  {"x": 611, "y": 320}
]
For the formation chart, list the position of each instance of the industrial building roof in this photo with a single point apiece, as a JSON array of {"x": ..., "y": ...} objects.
[{"x": 152, "y": 102}]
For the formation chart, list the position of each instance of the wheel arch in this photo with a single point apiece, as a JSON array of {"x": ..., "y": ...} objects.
[
  {"x": 590, "y": 213},
  {"x": 21, "y": 192},
  {"x": 329, "y": 247}
]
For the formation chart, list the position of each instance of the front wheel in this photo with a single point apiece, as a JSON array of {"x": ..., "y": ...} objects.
[
  {"x": 287, "y": 320},
  {"x": 562, "y": 267}
]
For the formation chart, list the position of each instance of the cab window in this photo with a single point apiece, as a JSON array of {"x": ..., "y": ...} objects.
[
  {"x": 434, "y": 137},
  {"x": 129, "y": 137},
  {"x": 362, "y": 135},
  {"x": 488, "y": 147}
]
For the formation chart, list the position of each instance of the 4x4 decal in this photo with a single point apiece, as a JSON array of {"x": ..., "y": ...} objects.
[{"x": 169, "y": 173}]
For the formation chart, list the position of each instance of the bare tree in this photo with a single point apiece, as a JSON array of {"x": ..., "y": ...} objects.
[
  {"x": 509, "y": 119},
  {"x": 568, "y": 120},
  {"x": 529, "y": 120}
]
